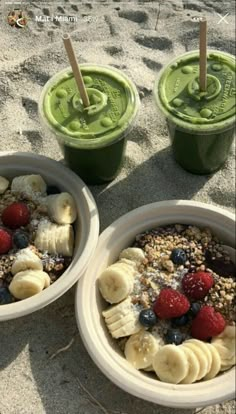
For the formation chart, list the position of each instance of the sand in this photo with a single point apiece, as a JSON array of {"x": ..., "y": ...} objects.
[{"x": 139, "y": 38}]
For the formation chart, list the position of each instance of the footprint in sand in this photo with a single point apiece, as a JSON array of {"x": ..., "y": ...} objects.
[
  {"x": 160, "y": 43},
  {"x": 74, "y": 7},
  {"x": 61, "y": 10},
  {"x": 30, "y": 106},
  {"x": 113, "y": 50},
  {"x": 144, "y": 92},
  {"x": 151, "y": 64},
  {"x": 227, "y": 45},
  {"x": 135, "y": 16},
  {"x": 46, "y": 12}
]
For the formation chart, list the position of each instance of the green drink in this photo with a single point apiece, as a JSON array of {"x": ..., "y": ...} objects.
[
  {"x": 200, "y": 124},
  {"x": 92, "y": 139}
]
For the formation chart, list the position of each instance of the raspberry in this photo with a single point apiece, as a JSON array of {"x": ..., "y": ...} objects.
[
  {"x": 16, "y": 215},
  {"x": 197, "y": 285},
  {"x": 207, "y": 323},
  {"x": 171, "y": 304},
  {"x": 5, "y": 241}
]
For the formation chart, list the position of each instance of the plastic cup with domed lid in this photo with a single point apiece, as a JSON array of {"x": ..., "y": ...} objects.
[
  {"x": 93, "y": 138},
  {"x": 201, "y": 124}
]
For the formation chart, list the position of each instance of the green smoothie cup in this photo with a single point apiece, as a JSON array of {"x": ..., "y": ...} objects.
[
  {"x": 93, "y": 139},
  {"x": 201, "y": 124}
]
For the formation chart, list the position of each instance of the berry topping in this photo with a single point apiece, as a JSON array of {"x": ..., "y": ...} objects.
[
  {"x": 5, "y": 296},
  {"x": 5, "y": 241},
  {"x": 207, "y": 323},
  {"x": 147, "y": 318},
  {"x": 170, "y": 304},
  {"x": 52, "y": 189},
  {"x": 180, "y": 321},
  {"x": 20, "y": 239},
  {"x": 178, "y": 256},
  {"x": 174, "y": 337},
  {"x": 197, "y": 285},
  {"x": 195, "y": 308},
  {"x": 16, "y": 215}
]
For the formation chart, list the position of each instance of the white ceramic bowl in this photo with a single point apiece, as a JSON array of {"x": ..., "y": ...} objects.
[
  {"x": 89, "y": 304},
  {"x": 86, "y": 226}
]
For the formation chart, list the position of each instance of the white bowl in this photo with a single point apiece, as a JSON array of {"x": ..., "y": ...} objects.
[
  {"x": 89, "y": 304},
  {"x": 86, "y": 226}
]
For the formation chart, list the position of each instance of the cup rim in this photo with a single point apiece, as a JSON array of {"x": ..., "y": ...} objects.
[
  {"x": 180, "y": 124},
  {"x": 52, "y": 168},
  {"x": 91, "y": 143},
  {"x": 114, "y": 366}
]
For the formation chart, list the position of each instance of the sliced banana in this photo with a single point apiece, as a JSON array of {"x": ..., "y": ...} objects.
[
  {"x": 29, "y": 184},
  {"x": 61, "y": 208},
  {"x": 28, "y": 283},
  {"x": 140, "y": 349},
  {"x": 204, "y": 348},
  {"x": 149, "y": 369},
  {"x": 193, "y": 366},
  {"x": 54, "y": 238},
  {"x": 65, "y": 240},
  {"x": 134, "y": 254},
  {"x": 116, "y": 282},
  {"x": 4, "y": 184},
  {"x": 202, "y": 358},
  {"x": 216, "y": 363},
  {"x": 122, "y": 319},
  {"x": 170, "y": 364},
  {"x": 26, "y": 259},
  {"x": 225, "y": 344}
]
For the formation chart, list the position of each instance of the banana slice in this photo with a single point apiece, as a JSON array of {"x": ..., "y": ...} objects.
[
  {"x": 194, "y": 366},
  {"x": 65, "y": 240},
  {"x": 225, "y": 367},
  {"x": 29, "y": 184},
  {"x": 134, "y": 254},
  {"x": 4, "y": 184},
  {"x": 170, "y": 364},
  {"x": 149, "y": 369},
  {"x": 204, "y": 348},
  {"x": 140, "y": 349},
  {"x": 216, "y": 363},
  {"x": 54, "y": 238},
  {"x": 225, "y": 345},
  {"x": 116, "y": 282},
  {"x": 26, "y": 259},
  {"x": 28, "y": 283},
  {"x": 202, "y": 358},
  {"x": 122, "y": 319},
  {"x": 61, "y": 208}
]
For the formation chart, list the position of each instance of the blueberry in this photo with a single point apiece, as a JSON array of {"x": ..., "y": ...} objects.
[
  {"x": 195, "y": 308},
  {"x": 20, "y": 239},
  {"x": 5, "y": 296},
  {"x": 52, "y": 189},
  {"x": 181, "y": 321},
  {"x": 178, "y": 256},
  {"x": 174, "y": 337},
  {"x": 147, "y": 318}
]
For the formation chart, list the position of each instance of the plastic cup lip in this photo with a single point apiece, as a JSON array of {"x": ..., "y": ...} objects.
[
  {"x": 182, "y": 125},
  {"x": 91, "y": 143}
]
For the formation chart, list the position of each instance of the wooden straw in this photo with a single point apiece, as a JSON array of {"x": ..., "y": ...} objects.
[
  {"x": 76, "y": 69},
  {"x": 203, "y": 55}
]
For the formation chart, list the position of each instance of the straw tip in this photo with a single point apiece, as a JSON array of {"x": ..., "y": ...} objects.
[{"x": 65, "y": 36}]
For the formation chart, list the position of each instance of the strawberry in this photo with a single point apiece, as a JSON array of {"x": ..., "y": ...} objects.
[
  {"x": 5, "y": 241},
  {"x": 16, "y": 215},
  {"x": 197, "y": 285},
  {"x": 207, "y": 323},
  {"x": 171, "y": 304}
]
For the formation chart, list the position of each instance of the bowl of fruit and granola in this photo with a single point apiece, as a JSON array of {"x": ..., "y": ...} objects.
[
  {"x": 162, "y": 285},
  {"x": 49, "y": 229}
]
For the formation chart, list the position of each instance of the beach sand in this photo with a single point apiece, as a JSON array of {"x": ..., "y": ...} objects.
[{"x": 138, "y": 38}]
